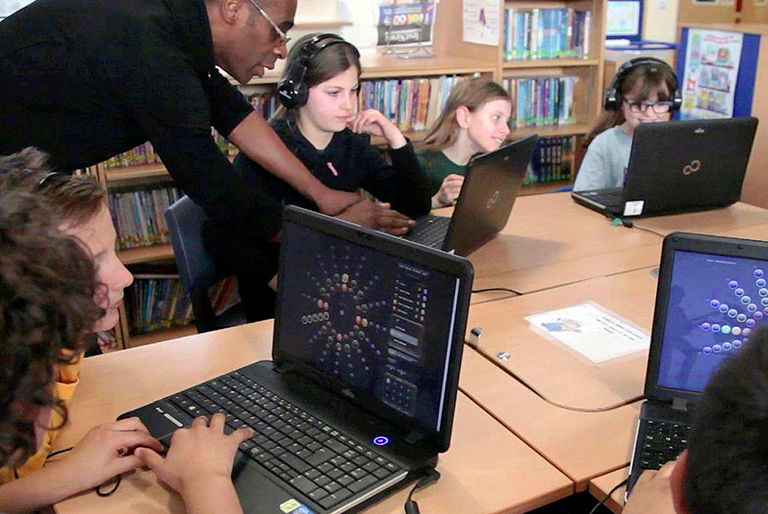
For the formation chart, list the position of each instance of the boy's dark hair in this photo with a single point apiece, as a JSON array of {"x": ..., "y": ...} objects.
[
  {"x": 47, "y": 287},
  {"x": 727, "y": 469},
  {"x": 72, "y": 200}
]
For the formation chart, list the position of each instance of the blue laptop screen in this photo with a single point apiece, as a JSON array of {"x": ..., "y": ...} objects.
[
  {"x": 376, "y": 323},
  {"x": 715, "y": 303}
]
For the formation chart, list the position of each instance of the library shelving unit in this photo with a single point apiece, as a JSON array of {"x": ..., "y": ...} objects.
[{"x": 454, "y": 57}]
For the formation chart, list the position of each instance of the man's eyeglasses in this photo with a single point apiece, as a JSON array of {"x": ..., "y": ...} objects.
[
  {"x": 659, "y": 107},
  {"x": 282, "y": 35}
]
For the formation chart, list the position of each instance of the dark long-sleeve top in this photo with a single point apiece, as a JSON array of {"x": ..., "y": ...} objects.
[
  {"x": 84, "y": 80},
  {"x": 348, "y": 163}
]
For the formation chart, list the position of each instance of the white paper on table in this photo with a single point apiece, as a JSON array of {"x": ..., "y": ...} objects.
[
  {"x": 592, "y": 331},
  {"x": 482, "y": 22}
]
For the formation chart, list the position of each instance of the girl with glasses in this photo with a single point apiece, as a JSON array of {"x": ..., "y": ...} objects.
[{"x": 644, "y": 93}]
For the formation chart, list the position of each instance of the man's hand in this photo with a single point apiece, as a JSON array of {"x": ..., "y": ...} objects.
[
  {"x": 652, "y": 493},
  {"x": 332, "y": 202},
  {"x": 379, "y": 216},
  {"x": 448, "y": 192}
]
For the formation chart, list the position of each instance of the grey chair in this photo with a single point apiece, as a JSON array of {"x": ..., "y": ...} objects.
[{"x": 197, "y": 271}]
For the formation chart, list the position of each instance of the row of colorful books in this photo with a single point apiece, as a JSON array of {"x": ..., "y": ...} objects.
[
  {"x": 541, "y": 101},
  {"x": 139, "y": 216},
  {"x": 156, "y": 302},
  {"x": 142, "y": 154},
  {"x": 546, "y": 34},
  {"x": 411, "y": 104},
  {"x": 553, "y": 160}
]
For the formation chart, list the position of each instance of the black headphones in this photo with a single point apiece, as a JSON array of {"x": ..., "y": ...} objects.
[
  {"x": 613, "y": 96},
  {"x": 291, "y": 89}
]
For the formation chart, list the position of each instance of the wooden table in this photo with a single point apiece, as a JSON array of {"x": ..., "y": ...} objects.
[
  {"x": 555, "y": 371},
  {"x": 716, "y": 222},
  {"x": 600, "y": 486},
  {"x": 487, "y": 468},
  {"x": 583, "y": 445},
  {"x": 551, "y": 241}
]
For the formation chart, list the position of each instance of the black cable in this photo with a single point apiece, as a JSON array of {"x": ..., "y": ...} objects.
[
  {"x": 498, "y": 290},
  {"x": 608, "y": 495},
  {"x": 411, "y": 507},
  {"x": 58, "y": 452},
  {"x": 98, "y": 489},
  {"x": 104, "y": 494}
]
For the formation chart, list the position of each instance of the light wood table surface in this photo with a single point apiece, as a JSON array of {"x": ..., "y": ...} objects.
[
  {"x": 583, "y": 445},
  {"x": 486, "y": 470},
  {"x": 716, "y": 222},
  {"x": 600, "y": 486},
  {"x": 556, "y": 371},
  {"x": 551, "y": 241}
]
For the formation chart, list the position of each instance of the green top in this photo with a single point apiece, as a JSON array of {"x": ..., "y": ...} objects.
[{"x": 437, "y": 166}]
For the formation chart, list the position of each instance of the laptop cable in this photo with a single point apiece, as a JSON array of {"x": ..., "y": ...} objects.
[
  {"x": 605, "y": 498},
  {"x": 497, "y": 290},
  {"x": 411, "y": 507},
  {"x": 98, "y": 489}
]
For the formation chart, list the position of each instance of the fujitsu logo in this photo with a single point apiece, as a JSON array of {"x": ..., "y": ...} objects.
[{"x": 692, "y": 168}]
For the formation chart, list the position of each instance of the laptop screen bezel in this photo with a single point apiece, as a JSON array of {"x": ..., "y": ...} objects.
[
  {"x": 696, "y": 243},
  {"x": 436, "y": 260}
]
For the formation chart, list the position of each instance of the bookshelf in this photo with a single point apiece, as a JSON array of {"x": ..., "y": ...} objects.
[{"x": 453, "y": 57}]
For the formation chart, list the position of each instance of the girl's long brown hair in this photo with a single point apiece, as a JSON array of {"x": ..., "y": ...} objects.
[{"x": 472, "y": 94}]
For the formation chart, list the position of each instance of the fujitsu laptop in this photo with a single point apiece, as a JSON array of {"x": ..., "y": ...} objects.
[
  {"x": 490, "y": 189},
  {"x": 359, "y": 397},
  {"x": 679, "y": 166},
  {"x": 711, "y": 295}
]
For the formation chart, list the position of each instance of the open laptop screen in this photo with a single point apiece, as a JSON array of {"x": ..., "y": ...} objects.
[
  {"x": 714, "y": 304},
  {"x": 379, "y": 324}
]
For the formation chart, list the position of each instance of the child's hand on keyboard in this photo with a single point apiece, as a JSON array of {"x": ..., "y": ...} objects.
[
  {"x": 652, "y": 493},
  {"x": 200, "y": 457}
]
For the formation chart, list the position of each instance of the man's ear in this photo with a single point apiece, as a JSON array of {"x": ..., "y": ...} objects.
[
  {"x": 462, "y": 116},
  {"x": 677, "y": 484},
  {"x": 229, "y": 10}
]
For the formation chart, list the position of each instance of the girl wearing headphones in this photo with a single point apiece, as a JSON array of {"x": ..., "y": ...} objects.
[
  {"x": 644, "y": 90},
  {"x": 475, "y": 119},
  {"x": 319, "y": 123}
]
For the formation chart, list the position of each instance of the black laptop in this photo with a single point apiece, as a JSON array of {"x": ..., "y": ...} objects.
[
  {"x": 490, "y": 189},
  {"x": 359, "y": 397},
  {"x": 679, "y": 166},
  {"x": 712, "y": 294}
]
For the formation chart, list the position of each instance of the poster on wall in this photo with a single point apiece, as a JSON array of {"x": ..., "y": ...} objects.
[
  {"x": 8, "y": 7},
  {"x": 711, "y": 67},
  {"x": 405, "y": 24},
  {"x": 482, "y": 20}
]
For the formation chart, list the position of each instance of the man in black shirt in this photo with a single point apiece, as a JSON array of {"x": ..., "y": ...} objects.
[{"x": 86, "y": 79}]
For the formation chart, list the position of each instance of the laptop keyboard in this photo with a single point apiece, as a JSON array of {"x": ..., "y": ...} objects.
[
  {"x": 662, "y": 441},
  {"x": 430, "y": 231},
  {"x": 297, "y": 448},
  {"x": 611, "y": 198}
]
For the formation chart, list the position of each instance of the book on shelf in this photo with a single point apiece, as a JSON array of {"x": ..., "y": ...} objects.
[
  {"x": 142, "y": 154},
  {"x": 157, "y": 300},
  {"x": 139, "y": 216},
  {"x": 107, "y": 340},
  {"x": 553, "y": 160},
  {"x": 412, "y": 104},
  {"x": 553, "y": 33},
  {"x": 541, "y": 101}
]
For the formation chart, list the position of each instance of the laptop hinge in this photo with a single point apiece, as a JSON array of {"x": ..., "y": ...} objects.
[
  {"x": 282, "y": 368},
  {"x": 414, "y": 437},
  {"x": 680, "y": 404}
]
